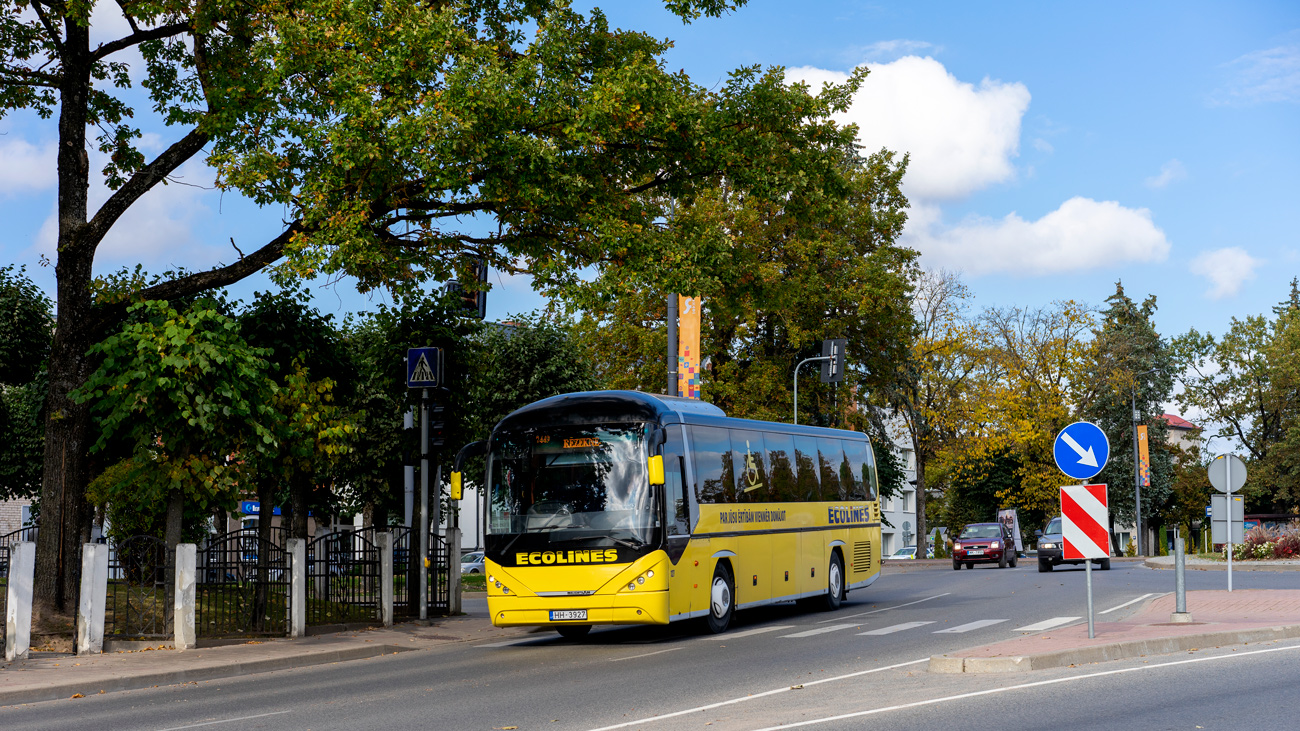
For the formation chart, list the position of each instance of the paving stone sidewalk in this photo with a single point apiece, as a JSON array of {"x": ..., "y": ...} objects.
[
  {"x": 1219, "y": 618},
  {"x": 49, "y": 676}
]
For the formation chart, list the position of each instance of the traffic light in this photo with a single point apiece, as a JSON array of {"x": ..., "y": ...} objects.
[
  {"x": 473, "y": 304},
  {"x": 437, "y": 425}
]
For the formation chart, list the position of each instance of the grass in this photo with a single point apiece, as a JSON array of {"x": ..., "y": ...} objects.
[{"x": 473, "y": 582}]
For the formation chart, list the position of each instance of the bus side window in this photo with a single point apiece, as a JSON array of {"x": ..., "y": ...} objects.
[
  {"x": 830, "y": 456},
  {"x": 715, "y": 481},
  {"x": 808, "y": 484},
  {"x": 780, "y": 456},
  {"x": 752, "y": 485},
  {"x": 675, "y": 483},
  {"x": 858, "y": 455}
]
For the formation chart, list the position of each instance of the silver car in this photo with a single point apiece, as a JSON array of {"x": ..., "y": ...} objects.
[{"x": 472, "y": 563}]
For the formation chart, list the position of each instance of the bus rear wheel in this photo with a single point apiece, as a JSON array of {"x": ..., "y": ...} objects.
[
  {"x": 834, "y": 584},
  {"x": 722, "y": 604},
  {"x": 573, "y": 631}
]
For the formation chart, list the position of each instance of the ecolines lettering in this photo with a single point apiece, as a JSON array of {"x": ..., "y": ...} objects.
[
  {"x": 842, "y": 516},
  {"x": 549, "y": 558}
]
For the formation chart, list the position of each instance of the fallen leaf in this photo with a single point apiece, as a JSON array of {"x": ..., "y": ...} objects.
[{"x": 78, "y": 695}]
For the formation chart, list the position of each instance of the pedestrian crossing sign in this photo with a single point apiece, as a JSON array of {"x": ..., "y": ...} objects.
[{"x": 423, "y": 367}]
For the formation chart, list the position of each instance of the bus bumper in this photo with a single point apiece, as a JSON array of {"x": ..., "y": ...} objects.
[{"x": 649, "y": 607}]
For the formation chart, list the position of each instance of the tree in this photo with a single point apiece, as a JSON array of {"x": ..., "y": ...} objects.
[
  {"x": 193, "y": 401},
  {"x": 26, "y": 330},
  {"x": 1247, "y": 384},
  {"x": 929, "y": 391},
  {"x": 1128, "y": 366},
  {"x": 388, "y": 134}
]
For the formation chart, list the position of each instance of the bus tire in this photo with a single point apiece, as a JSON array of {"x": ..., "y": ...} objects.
[
  {"x": 573, "y": 631},
  {"x": 834, "y": 584},
  {"x": 722, "y": 599}
]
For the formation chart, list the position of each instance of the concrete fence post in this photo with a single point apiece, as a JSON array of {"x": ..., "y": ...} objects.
[
  {"x": 18, "y": 610},
  {"x": 297, "y": 549},
  {"x": 385, "y": 542},
  {"x": 94, "y": 597},
  {"x": 186, "y": 635},
  {"x": 453, "y": 570}
]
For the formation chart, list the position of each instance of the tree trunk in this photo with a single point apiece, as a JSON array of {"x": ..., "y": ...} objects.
[
  {"x": 175, "y": 520},
  {"x": 1116, "y": 549},
  {"x": 298, "y": 502},
  {"x": 922, "y": 535},
  {"x": 65, "y": 517}
]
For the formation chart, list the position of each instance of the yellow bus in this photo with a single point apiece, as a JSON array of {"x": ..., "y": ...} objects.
[{"x": 621, "y": 507}]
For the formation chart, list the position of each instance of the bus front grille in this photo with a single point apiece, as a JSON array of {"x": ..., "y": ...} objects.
[{"x": 861, "y": 557}]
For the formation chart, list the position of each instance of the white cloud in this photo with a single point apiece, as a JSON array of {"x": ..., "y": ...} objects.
[
  {"x": 1082, "y": 234},
  {"x": 26, "y": 168},
  {"x": 961, "y": 137},
  {"x": 1043, "y": 145},
  {"x": 1270, "y": 75},
  {"x": 882, "y": 50},
  {"x": 1169, "y": 172},
  {"x": 1227, "y": 269}
]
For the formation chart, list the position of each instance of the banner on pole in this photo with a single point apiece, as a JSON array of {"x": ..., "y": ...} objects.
[
  {"x": 1084, "y": 520},
  {"x": 1144, "y": 457},
  {"x": 688, "y": 346},
  {"x": 1011, "y": 520}
]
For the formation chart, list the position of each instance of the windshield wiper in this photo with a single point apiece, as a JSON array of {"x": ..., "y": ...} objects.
[{"x": 633, "y": 544}]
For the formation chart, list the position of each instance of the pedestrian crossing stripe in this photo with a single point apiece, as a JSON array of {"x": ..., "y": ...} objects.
[
  {"x": 895, "y": 628},
  {"x": 980, "y": 624},
  {"x": 1048, "y": 624}
]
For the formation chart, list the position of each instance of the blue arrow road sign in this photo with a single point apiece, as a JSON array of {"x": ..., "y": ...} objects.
[{"x": 1081, "y": 450}]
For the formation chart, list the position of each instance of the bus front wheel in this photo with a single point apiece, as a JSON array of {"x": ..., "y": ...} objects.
[
  {"x": 834, "y": 584},
  {"x": 722, "y": 605}
]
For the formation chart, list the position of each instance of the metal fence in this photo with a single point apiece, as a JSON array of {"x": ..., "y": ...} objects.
[
  {"x": 141, "y": 589},
  {"x": 343, "y": 578},
  {"x": 440, "y": 568},
  {"x": 406, "y": 573},
  {"x": 242, "y": 587}
]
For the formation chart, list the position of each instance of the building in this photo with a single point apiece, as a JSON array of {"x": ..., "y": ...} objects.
[{"x": 898, "y": 529}]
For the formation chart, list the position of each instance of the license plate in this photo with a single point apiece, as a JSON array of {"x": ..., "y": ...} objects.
[
  {"x": 975, "y": 553},
  {"x": 562, "y": 614}
]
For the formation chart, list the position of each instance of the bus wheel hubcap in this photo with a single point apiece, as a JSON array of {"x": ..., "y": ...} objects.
[
  {"x": 721, "y": 597},
  {"x": 835, "y": 578}
]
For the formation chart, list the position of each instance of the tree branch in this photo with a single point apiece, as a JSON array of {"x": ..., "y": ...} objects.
[
  {"x": 108, "y": 315},
  {"x": 149, "y": 34},
  {"x": 140, "y": 183},
  {"x": 49, "y": 28}
]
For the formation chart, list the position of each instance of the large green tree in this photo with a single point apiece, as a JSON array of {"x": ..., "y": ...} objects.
[
  {"x": 397, "y": 138},
  {"x": 26, "y": 331},
  {"x": 1129, "y": 366}
]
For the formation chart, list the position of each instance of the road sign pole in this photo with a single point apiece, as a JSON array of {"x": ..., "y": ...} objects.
[
  {"x": 1228, "y": 503},
  {"x": 424, "y": 504},
  {"x": 1087, "y": 570}
]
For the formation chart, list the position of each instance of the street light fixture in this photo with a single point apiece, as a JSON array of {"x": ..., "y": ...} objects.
[{"x": 1137, "y": 470}]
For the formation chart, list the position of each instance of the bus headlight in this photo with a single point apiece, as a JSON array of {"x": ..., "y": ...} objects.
[{"x": 640, "y": 579}]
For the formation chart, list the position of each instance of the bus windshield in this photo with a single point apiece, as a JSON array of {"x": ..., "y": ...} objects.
[{"x": 584, "y": 484}]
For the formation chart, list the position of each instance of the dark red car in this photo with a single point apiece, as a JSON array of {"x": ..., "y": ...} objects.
[{"x": 983, "y": 543}]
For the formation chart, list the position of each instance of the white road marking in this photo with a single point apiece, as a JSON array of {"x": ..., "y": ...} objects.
[
  {"x": 886, "y": 609},
  {"x": 978, "y": 624},
  {"x": 821, "y": 630},
  {"x": 732, "y": 635},
  {"x": 895, "y": 628},
  {"x": 648, "y": 654},
  {"x": 1022, "y": 686},
  {"x": 733, "y": 701},
  {"x": 1048, "y": 624},
  {"x": 226, "y": 720},
  {"x": 1125, "y": 604}
]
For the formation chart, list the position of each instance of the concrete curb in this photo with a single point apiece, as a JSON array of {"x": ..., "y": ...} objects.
[
  {"x": 1236, "y": 566},
  {"x": 1112, "y": 651},
  {"x": 173, "y": 677}
]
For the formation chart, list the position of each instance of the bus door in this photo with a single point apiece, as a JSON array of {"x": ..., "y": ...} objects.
[
  {"x": 753, "y": 562},
  {"x": 784, "y": 540},
  {"x": 680, "y": 516}
]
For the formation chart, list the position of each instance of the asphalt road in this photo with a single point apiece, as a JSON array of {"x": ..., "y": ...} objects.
[{"x": 776, "y": 665}]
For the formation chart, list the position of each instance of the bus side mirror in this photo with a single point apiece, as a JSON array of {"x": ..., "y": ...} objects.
[
  {"x": 455, "y": 486},
  {"x": 656, "y": 466}
]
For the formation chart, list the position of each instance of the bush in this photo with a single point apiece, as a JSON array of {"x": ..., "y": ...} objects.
[{"x": 1287, "y": 544}]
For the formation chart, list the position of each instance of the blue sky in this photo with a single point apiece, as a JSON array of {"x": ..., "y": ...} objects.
[{"x": 1056, "y": 148}]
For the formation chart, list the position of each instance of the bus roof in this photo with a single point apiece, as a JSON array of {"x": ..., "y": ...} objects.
[{"x": 592, "y": 407}]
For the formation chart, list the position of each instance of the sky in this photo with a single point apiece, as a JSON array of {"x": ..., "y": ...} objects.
[{"x": 1055, "y": 149}]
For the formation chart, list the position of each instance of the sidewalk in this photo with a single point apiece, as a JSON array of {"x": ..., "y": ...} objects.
[
  {"x": 49, "y": 676},
  {"x": 1219, "y": 618}
]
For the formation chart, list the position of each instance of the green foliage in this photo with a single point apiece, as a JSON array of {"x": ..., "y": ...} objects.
[
  {"x": 130, "y": 508},
  {"x": 974, "y": 487},
  {"x": 189, "y": 396},
  {"x": 26, "y": 327}
]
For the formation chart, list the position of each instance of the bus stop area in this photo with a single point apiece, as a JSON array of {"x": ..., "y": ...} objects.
[{"x": 1219, "y": 618}]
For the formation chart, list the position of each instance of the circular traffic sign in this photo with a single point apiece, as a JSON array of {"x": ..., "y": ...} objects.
[
  {"x": 1219, "y": 473},
  {"x": 1081, "y": 450}
]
